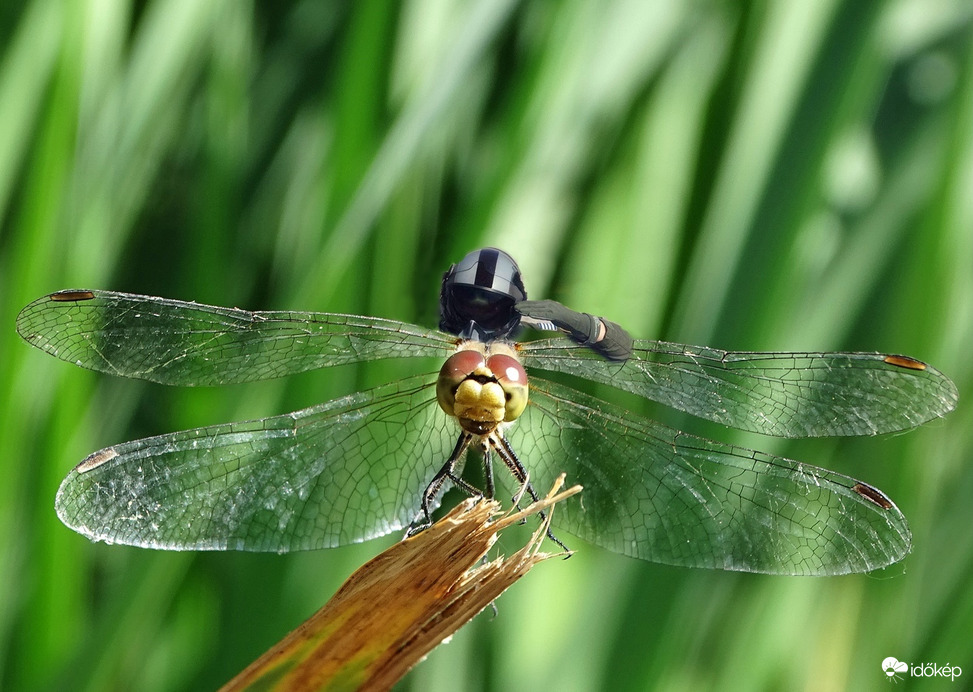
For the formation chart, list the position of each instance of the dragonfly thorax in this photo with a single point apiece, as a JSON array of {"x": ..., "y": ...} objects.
[{"x": 482, "y": 388}]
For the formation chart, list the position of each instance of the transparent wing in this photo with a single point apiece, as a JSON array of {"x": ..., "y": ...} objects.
[
  {"x": 658, "y": 494},
  {"x": 780, "y": 394},
  {"x": 179, "y": 343},
  {"x": 341, "y": 472}
]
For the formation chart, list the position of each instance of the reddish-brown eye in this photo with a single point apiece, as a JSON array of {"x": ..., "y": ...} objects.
[
  {"x": 461, "y": 364},
  {"x": 456, "y": 369},
  {"x": 513, "y": 379}
]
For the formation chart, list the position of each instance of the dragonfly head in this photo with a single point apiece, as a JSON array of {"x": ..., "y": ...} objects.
[
  {"x": 478, "y": 296},
  {"x": 482, "y": 391}
]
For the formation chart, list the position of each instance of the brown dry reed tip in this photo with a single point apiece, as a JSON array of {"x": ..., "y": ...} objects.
[{"x": 399, "y": 606}]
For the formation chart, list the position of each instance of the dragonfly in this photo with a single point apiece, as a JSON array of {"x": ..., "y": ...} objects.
[{"x": 377, "y": 461}]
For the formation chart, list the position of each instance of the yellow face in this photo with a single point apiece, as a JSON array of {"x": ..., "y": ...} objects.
[{"x": 482, "y": 389}]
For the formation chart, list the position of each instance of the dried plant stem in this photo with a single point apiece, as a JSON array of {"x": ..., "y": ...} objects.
[{"x": 399, "y": 606}]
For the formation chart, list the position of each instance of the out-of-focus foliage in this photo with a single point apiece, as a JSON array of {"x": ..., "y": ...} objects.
[{"x": 766, "y": 175}]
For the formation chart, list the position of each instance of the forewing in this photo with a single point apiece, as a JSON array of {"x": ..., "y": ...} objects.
[
  {"x": 179, "y": 343},
  {"x": 341, "y": 472},
  {"x": 780, "y": 394},
  {"x": 658, "y": 494}
]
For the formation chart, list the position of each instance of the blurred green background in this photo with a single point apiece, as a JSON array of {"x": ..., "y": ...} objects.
[{"x": 748, "y": 175}]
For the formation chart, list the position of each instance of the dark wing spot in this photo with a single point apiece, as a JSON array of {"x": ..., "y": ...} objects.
[
  {"x": 71, "y": 296},
  {"x": 905, "y": 362},
  {"x": 873, "y": 494}
]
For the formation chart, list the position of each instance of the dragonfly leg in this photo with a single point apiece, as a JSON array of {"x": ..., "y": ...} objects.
[
  {"x": 446, "y": 473},
  {"x": 488, "y": 471},
  {"x": 506, "y": 452}
]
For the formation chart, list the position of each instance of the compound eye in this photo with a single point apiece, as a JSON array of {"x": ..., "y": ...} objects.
[
  {"x": 457, "y": 368},
  {"x": 512, "y": 378}
]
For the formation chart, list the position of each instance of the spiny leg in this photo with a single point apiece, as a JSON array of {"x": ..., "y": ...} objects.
[
  {"x": 490, "y": 493},
  {"x": 488, "y": 470},
  {"x": 446, "y": 473},
  {"x": 506, "y": 452},
  {"x": 509, "y": 457}
]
